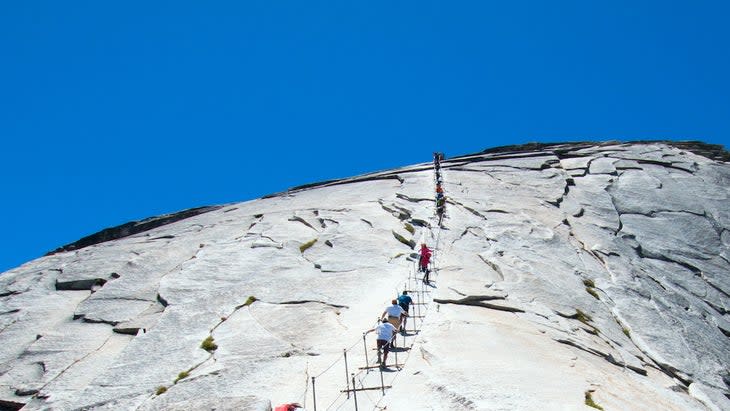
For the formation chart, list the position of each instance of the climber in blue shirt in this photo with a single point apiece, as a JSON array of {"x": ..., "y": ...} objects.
[{"x": 405, "y": 301}]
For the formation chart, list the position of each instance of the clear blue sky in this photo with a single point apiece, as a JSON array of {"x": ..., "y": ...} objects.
[{"x": 116, "y": 111}]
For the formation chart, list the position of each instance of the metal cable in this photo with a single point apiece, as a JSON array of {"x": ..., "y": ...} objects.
[
  {"x": 333, "y": 402},
  {"x": 328, "y": 368},
  {"x": 365, "y": 391},
  {"x": 412, "y": 272}
]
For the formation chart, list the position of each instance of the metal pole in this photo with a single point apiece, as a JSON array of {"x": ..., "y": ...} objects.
[
  {"x": 347, "y": 372},
  {"x": 413, "y": 320},
  {"x": 354, "y": 392},
  {"x": 314, "y": 395},
  {"x": 396, "y": 352},
  {"x": 365, "y": 346},
  {"x": 420, "y": 300}
]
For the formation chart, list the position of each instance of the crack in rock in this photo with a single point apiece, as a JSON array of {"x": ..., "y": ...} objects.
[
  {"x": 83, "y": 318},
  {"x": 471, "y": 210},
  {"x": 259, "y": 218},
  {"x": 493, "y": 266},
  {"x": 606, "y": 356},
  {"x": 457, "y": 291},
  {"x": 478, "y": 301},
  {"x": 400, "y": 213},
  {"x": 295, "y": 302},
  {"x": 133, "y": 227},
  {"x": 419, "y": 223},
  {"x": 411, "y": 199},
  {"x": 566, "y": 190},
  {"x": 467, "y": 230},
  {"x": 164, "y": 237},
  {"x": 303, "y": 221},
  {"x": 16, "y": 310},
  {"x": 643, "y": 253},
  {"x": 162, "y": 301},
  {"x": 11, "y": 405}
]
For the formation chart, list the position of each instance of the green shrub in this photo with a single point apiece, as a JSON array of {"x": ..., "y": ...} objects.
[
  {"x": 182, "y": 375},
  {"x": 590, "y": 403},
  {"x": 305, "y": 246},
  {"x": 409, "y": 243},
  {"x": 626, "y": 331},
  {"x": 161, "y": 390},
  {"x": 590, "y": 285},
  {"x": 251, "y": 299},
  {"x": 208, "y": 344},
  {"x": 410, "y": 228},
  {"x": 582, "y": 317}
]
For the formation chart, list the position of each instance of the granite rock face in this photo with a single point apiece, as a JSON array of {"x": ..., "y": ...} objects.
[{"x": 560, "y": 270}]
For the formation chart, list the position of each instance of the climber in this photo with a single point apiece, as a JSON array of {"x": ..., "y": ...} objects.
[
  {"x": 386, "y": 333},
  {"x": 288, "y": 407},
  {"x": 437, "y": 159},
  {"x": 424, "y": 260},
  {"x": 405, "y": 301},
  {"x": 394, "y": 313},
  {"x": 441, "y": 202},
  {"x": 440, "y": 208}
]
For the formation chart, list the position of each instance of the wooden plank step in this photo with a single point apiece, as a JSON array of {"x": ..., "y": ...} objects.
[
  {"x": 367, "y": 388},
  {"x": 377, "y": 366}
]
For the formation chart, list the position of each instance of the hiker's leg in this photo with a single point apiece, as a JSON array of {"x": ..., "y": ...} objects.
[{"x": 381, "y": 344}]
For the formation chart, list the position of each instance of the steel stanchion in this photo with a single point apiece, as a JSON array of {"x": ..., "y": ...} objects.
[
  {"x": 347, "y": 372},
  {"x": 314, "y": 395},
  {"x": 354, "y": 392}
]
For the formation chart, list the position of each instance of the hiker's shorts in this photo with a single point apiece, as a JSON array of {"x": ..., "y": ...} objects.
[
  {"x": 385, "y": 345},
  {"x": 395, "y": 321}
]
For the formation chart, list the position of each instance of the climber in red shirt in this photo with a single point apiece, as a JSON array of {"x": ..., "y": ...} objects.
[{"x": 424, "y": 260}]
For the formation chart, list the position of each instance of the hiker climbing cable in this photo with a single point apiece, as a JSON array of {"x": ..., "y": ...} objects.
[
  {"x": 289, "y": 407},
  {"x": 393, "y": 314},
  {"x": 385, "y": 333},
  {"x": 424, "y": 260},
  {"x": 440, "y": 208},
  {"x": 405, "y": 301},
  {"x": 437, "y": 157}
]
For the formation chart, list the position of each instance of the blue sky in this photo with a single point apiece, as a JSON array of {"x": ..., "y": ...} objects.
[{"x": 117, "y": 111}]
